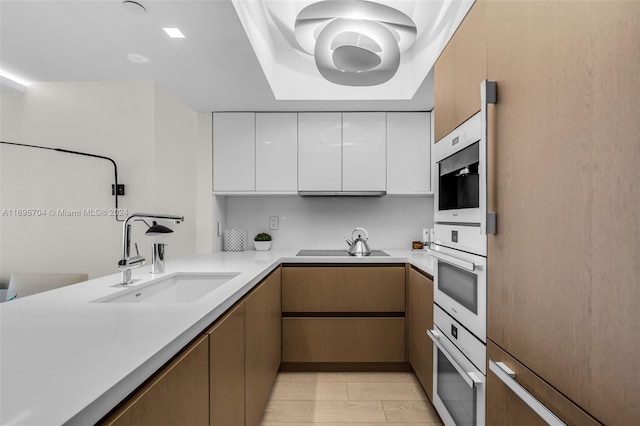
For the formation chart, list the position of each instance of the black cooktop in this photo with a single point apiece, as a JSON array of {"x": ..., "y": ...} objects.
[{"x": 336, "y": 253}]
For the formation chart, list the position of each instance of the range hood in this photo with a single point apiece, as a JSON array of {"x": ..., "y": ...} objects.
[{"x": 342, "y": 193}]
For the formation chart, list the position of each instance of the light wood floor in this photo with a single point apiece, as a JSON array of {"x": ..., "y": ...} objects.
[{"x": 353, "y": 399}]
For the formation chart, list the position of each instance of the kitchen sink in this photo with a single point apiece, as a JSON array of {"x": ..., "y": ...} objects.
[{"x": 176, "y": 288}]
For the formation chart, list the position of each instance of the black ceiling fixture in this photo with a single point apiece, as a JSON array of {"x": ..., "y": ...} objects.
[{"x": 116, "y": 189}]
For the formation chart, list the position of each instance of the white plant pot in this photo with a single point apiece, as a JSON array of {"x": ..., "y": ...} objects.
[{"x": 262, "y": 245}]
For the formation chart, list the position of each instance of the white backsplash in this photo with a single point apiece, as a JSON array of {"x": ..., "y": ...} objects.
[{"x": 393, "y": 222}]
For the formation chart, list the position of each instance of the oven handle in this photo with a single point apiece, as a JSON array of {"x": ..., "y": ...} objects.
[
  {"x": 470, "y": 377},
  {"x": 464, "y": 264},
  {"x": 508, "y": 377}
]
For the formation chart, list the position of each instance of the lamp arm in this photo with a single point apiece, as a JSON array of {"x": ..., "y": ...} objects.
[{"x": 86, "y": 154}]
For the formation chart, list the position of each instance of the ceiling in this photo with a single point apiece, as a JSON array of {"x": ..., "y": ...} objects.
[{"x": 213, "y": 69}]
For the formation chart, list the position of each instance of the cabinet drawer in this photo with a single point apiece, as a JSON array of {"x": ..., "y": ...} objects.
[
  {"x": 343, "y": 289},
  {"x": 505, "y": 407},
  {"x": 343, "y": 340}
]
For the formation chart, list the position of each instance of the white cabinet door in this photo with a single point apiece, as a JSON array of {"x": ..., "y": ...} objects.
[
  {"x": 408, "y": 152},
  {"x": 364, "y": 154},
  {"x": 234, "y": 151},
  {"x": 277, "y": 151},
  {"x": 319, "y": 151}
]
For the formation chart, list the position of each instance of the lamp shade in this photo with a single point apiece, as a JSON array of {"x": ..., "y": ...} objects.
[{"x": 156, "y": 229}]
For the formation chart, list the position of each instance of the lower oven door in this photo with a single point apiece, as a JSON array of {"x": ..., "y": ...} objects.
[{"x": 459, "y": 388}]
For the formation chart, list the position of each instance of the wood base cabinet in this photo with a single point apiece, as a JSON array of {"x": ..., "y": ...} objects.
[
  {"x": 420, "y": 318},
  {"x": 177, "y": 395},
  {"x": 226, "y": 369},
  {"x": 343, "y": 314},
  {"x": 262, "y": 345}
]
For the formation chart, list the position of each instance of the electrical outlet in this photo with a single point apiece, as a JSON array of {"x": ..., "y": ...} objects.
[{"x": 273, "y": 223}]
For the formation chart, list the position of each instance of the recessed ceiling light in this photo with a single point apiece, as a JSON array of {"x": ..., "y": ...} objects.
[
  {"x": 174, "y": 32},
  {"x": 14, "y": 78}
]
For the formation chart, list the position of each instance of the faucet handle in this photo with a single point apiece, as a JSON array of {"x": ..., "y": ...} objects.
[{"x": 137, "y": 252}]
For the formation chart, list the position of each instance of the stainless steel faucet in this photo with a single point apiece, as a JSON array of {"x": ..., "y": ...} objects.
[{"x": 127, "y": 263}]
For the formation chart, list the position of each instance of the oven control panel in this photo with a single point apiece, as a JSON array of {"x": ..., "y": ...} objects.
[{"x": 461, "y": 237}]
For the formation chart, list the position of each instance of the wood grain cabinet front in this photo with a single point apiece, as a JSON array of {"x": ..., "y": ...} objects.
[
  {"x": 343, "y": 340},
  {"x": 177, "y": 395},
  {"x": 262, "y": 345},
  {"x": 343, "y": 314},
  {"x": 420, "y": 318},
  {"x": 505, "y": 407},
  {"x": 563, "y": 267},
  {"x": 338, "y": 289},
  {"x": 458, "y": 72},
  {"x": 226, "y": 369}
]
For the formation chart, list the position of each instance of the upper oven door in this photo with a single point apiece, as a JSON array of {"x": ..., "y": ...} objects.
[{"x": 460, "y": 282}]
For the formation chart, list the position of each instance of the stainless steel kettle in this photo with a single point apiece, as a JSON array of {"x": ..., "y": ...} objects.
[{"x": 358, "y": 246}]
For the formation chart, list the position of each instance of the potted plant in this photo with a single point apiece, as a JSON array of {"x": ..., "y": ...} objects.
[{"x": 262, "y": 241}]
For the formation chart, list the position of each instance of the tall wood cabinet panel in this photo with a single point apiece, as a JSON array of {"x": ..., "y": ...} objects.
[
  {"x": 408, "y": 152},
  {"x": 276, "y": 151},
  {"x": 470, "y": 62},
  {"x": 420, "y": 317},
  {"x": 364, "y": 143},
  {"x": 226, "y": 370},
  {"x": 563, "y": 268},
  {"x": 178, "y": 394},
  {"x": 444, "y": 92},
  {"x": 262, "y": 345},
  {"x": 234, "y": 151},
  {"x": 319, "y": 151},
  {"x": 461, "y": 67}
]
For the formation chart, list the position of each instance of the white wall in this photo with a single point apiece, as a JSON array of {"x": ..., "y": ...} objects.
[
  {"x": 176, "y": 133},
  {"x": 138, "y": 125},
  {"x": 393, "y": 222},
  {"x": 204, "y": 179}
]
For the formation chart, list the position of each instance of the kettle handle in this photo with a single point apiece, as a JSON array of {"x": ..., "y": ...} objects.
[{"x": 366, "y": 237}]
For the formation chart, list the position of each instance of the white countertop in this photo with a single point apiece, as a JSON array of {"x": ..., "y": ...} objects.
[{"x": 66, "y": 360}]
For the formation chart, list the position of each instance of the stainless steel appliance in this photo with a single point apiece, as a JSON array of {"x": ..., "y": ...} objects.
[{"x": 459, "y": 384}]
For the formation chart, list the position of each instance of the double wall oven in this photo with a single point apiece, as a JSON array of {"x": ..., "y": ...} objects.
[{"x": 460, "y": 271}]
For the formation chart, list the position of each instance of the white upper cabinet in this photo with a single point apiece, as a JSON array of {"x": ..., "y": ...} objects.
[
  {"x": 277, "y": 152},
  {"x": 319, "y": 151},
  {"x": 408, "y": 152},
  {"x": 364, "y": 151},
  {"x": 234, "y": 151}
]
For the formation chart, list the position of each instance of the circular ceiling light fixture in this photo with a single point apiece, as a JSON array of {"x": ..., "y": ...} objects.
[
  {"x": 137, "y": 58},
  {"x": 354, "y": 42},
  {"x": 134, "y": 7}
]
